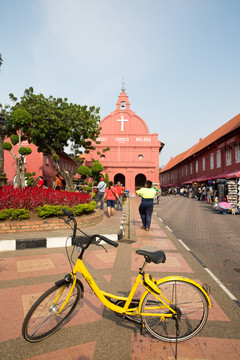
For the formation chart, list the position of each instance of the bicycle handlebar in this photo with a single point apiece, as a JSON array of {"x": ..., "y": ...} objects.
[
  {"x": 91, "y": 239},
  {"x": 66, "y": 212},
  {"x": 108, "y": 241}
]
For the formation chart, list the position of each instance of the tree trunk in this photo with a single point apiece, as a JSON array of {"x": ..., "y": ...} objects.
[
  {"x": 22, "y": 172},
  {"x": 93, "y": 186},
  {"x": 18, "y": 172},
  {"x": 21, "y": 183},
  {"x": 68, "y": 178}
]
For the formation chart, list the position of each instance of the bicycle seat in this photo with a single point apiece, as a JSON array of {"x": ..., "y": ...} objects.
[{"x": 157, "y": 256}]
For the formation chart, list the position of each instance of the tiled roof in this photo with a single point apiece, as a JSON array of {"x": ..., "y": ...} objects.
[{"x": 229, "y": 126}]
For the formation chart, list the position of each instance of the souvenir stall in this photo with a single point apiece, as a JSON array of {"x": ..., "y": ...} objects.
[
  {"x": 232, "y": 196},
  {"x": 228, "y": 191}
]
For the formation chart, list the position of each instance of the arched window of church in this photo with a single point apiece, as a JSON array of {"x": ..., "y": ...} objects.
[
  {"x": 123, "y": 105},
  {"x": 140, "y": 156},
  {"x": 102, "y": 156}
]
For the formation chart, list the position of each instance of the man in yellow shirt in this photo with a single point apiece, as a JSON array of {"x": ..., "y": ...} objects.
[{"x": 146, "y": 207}]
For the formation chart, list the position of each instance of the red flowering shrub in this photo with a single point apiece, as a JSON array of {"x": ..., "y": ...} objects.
[{"x": 32, "y": 197}]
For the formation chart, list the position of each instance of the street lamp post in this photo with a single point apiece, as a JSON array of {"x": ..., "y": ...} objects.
[{"x": 3, "y": 178}]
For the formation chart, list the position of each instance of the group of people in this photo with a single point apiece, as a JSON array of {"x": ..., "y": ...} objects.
[
  {"x": 202, "y": 192},
  {"x": 112, "y": 194},
  {"x": 57, "y": 185},
  {"x": 205, "y": 194}
]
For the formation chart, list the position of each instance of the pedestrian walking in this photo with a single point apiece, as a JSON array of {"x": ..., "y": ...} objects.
[
  {"x": 146, "y": 207},
  {"x": 120, "y": 191},
  {"x": 100, "y": 192},
  {"x": 111, "y": 195},
  {"x": 199, "y": 194},
  {"x": 58, "y": 183},
  {"x": 209, "y": 195}
]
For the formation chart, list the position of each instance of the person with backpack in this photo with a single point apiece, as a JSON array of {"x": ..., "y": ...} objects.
[
  {"x": 100, "y": 192},
  {"x": 111, "y": 195}
]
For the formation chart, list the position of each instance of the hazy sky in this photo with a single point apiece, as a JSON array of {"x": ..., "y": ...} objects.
[{"x": 180, "y": 59}]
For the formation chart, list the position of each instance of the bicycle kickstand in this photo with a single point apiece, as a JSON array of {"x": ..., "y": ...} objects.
[{"x": 177, "y": 334}]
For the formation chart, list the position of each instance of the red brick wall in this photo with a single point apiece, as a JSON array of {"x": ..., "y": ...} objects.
[{"x": 48, "y": 224}]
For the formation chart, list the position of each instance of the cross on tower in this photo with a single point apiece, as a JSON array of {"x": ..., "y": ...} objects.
[{"x": 122, "y": 120}]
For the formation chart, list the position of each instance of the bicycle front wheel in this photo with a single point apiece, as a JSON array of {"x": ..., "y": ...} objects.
[
  {"x": 187, "y": 300},
  {"x": 43, "y": 319}
]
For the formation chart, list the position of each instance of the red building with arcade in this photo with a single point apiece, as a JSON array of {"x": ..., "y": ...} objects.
[
  {"x": 133, "y": 157},
  {"x": 215, "y": 157}
]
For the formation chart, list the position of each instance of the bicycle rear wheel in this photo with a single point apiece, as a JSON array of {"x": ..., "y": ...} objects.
[
  {"x": 42, "y": 320},
  {"x": 187, "y": 300}
]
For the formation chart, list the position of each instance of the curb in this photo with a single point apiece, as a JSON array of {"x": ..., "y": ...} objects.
[{"x": 54, "y": 242}]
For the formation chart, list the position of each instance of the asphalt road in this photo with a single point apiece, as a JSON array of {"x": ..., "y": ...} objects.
[{"x": 213, "y": 238}]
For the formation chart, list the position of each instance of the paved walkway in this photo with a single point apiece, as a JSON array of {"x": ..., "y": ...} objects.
[{"x": 95, "y": 333}]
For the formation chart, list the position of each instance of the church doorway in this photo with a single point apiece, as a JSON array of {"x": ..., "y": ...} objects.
[
  {"x": 119, "y": 177},
  {"x": 140, "y": 181}
]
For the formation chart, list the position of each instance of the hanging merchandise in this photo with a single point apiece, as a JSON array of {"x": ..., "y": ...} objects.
[
  {"x": 232, "y": 193},
  {"x": 238, "y": 194}
]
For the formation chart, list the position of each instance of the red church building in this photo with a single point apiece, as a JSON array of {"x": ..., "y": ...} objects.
[{"x": 133, "y": 157}]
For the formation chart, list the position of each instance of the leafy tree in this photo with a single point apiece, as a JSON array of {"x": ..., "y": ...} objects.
[
  {"x": 55, "y": 123},
  {"x": 95, "y": 172},
  {"x": 107, "y": 179},
  {"x": 21, "y": 120},
  {"x": 83, "y": 170}
]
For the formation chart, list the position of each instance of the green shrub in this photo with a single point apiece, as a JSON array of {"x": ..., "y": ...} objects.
[
  {"x": 14, "y": 214},
  {"x": 48, "y": 210},
  {"x": 3, "y": 215},
  {"x": 83, "y": 208}
]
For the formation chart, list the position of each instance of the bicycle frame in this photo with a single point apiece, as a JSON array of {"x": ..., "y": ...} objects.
[{"x": 103, "y": 295}]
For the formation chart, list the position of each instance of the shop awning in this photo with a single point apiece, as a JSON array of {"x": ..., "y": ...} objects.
[
  {"x": 232, "y": 174},
  {"x": 169, "y": 185},
  {"x": 188, "y": 182},
  {"x": 202, "y": 178},
  {"x": 227, "y": 175}
]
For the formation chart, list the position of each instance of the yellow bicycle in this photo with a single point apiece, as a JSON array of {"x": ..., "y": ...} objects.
[{"x": 172, "y": 309}]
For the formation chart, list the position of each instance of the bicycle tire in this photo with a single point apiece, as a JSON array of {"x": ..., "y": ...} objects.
[
  {"x": 189, "y": 302},
  {"x": 42, "y": 319}
]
